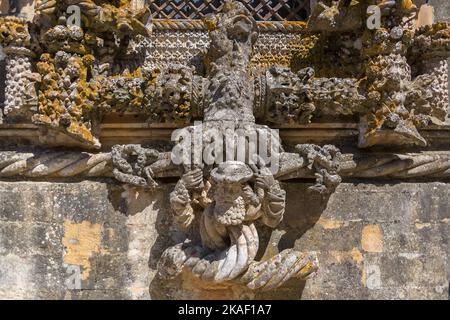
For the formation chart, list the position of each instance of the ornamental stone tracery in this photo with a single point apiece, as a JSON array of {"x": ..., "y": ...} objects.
[{"x": 233, "y": 73}]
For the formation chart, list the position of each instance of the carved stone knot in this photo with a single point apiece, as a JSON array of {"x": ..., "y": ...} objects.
[{"x": 132, "y": 165}]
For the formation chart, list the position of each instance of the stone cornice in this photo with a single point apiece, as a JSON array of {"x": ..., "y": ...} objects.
[{"x": 125, "y": 133}]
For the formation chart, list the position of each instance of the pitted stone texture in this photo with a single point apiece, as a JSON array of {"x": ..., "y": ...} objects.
[
  {"x": 441, "y": 10},
  {"x": 442, "y": 13},
  {"x": 391, "y": 242},
  {"x": 2, "y": 86}
]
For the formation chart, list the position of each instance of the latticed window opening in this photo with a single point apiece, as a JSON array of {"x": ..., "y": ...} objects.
[{"x": 266, "y": 10}]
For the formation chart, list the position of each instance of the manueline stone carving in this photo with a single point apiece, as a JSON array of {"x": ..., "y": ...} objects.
[
  {"x": 170, "y": 98},
  {"x": 137, "y": 166},
  {"x": 66, "y": 78},
  {"x": 388, "y": 85},
  {"x": 78, "y": 64},
  {"x": 229, "y": 207},
  {"x": 22, "y": 165},
  {"x": 325, "y": 162},
  {"x": 226, "y": 201},
  {"x": 288, "y": 95},
  {"x": 21, "y": 98}
]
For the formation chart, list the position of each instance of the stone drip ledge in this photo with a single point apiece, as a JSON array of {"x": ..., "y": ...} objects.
[
  {"x": 45, "y": 164},
  {"x": 132, "y": 133}
]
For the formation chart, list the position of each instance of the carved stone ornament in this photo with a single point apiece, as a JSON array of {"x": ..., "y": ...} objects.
[{"x": 66, "y": 79}]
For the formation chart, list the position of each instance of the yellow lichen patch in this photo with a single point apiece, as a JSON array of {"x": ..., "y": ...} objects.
[
  {"x": 81, "y": 242},
  {"x": 329, "y": 224},
  {"x": 210, "y": 24},
  {"x": 356, "y": 255},
  {"x": 407, "y": 5},
  {"x": 347, "y": 256},
  {"x": 14, "y": 32},
  {"x": 372, "y": 238},
  {"x": 364, "y": 276},
  {"x": 306, "y": 270}
]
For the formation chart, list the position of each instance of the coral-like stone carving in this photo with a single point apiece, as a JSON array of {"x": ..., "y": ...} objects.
[
  {"x": 170, "y": 97},
  {"x": 121, "y": 17},
  {"x": 137, "y": 166},
  {"x": 94, "y": 67},
  {"x": 21, "y": 98},
  {"x": 325, "y": 161},
  {"x": 82, "y": 65},
  {"x": 394, "y": 76},
  {"x": 289, "y": 99}
]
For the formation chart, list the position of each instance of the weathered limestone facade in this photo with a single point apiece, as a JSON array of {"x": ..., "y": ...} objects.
[
  {"x": 375, "y": 241},
  {"x": 94, "y": 206}
]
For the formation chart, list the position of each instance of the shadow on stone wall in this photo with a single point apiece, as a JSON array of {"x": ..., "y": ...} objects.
[
  {"x": 301, "y": 214},
  {"x": 148, "y": 221}
]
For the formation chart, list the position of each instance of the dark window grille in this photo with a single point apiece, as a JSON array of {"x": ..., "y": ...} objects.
[{"x": 265, "y": 10}]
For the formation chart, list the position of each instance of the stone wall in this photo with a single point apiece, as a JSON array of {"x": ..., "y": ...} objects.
[
  {"x": 442, "y": 9},
  {"x": 2, "y": 87},
  {"x": 374, "y": 241}
]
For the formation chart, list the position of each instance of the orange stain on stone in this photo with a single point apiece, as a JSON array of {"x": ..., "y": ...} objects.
[
  {"x": 372, "y": 238},
  {"x": 329, "y": 224},
  {"x": 81, "y": 242},
  {"x": 353, "y": 255}
]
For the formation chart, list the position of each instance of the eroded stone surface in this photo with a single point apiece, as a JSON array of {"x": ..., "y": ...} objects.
[{"x": 130, "y": 230}]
